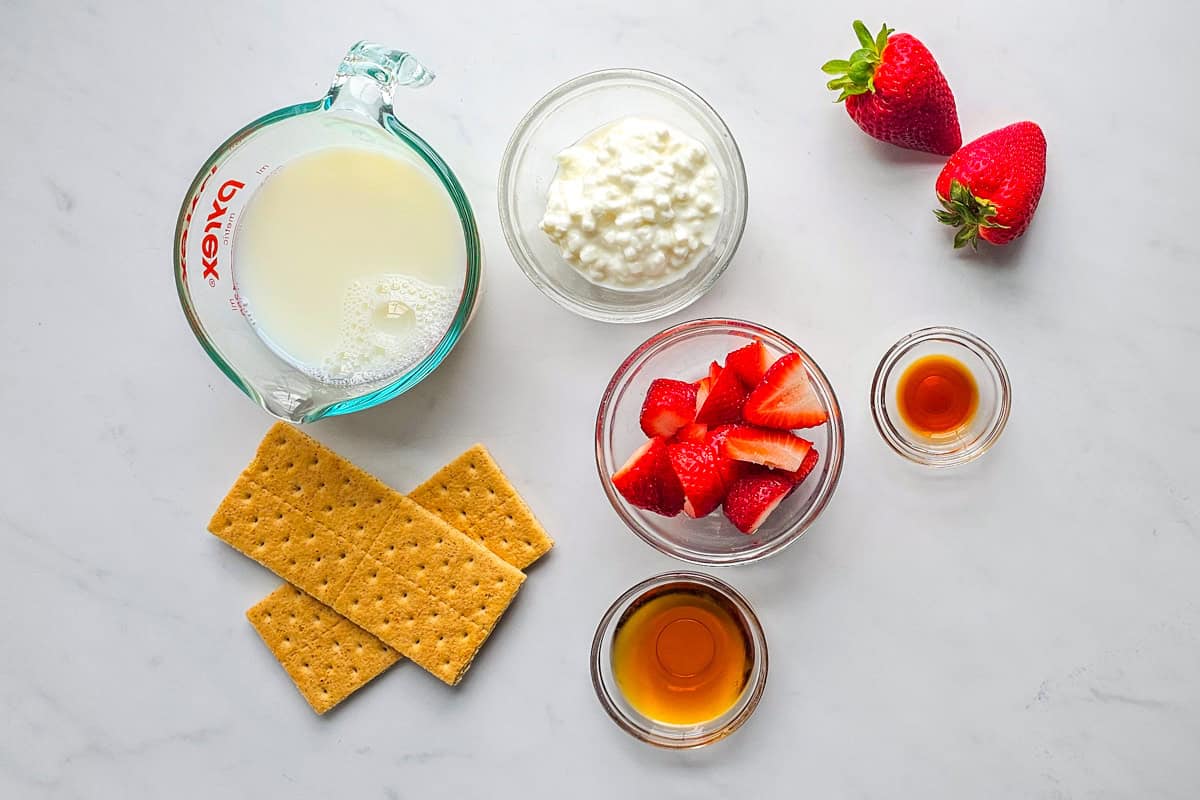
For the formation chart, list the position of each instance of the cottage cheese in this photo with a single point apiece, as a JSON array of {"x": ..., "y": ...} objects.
[{"x": 634, "y": 205}]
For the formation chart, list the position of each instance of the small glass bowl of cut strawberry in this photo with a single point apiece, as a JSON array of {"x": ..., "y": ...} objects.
[{"x": 719, "y": 441}]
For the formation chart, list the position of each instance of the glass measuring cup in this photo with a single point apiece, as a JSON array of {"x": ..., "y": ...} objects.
[{"x": 355, "y": 113}]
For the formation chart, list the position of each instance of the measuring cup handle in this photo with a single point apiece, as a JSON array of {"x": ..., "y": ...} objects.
[{"x": 370, "y": 74}]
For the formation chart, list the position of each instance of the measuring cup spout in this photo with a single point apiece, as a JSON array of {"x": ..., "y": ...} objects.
[{"x": 369, "y": 75}]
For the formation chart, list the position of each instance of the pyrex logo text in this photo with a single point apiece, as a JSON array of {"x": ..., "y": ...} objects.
[{"x": 208, "y": 245}]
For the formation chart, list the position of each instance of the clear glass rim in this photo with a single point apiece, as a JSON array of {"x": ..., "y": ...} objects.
[
  {"x": 635, "y": 725},
  {"x": 514, "y": 153},
  {"x": 471, "y": 282},
  {"x": 821, "y": 497},
  {"x": 896, "y": 439}
]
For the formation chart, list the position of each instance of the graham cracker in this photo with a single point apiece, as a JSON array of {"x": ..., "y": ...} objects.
[
  {"x": 327, "y": 656},
  {"x": 298, "y": 549},
  {"x": 472, "y": 494},
  {"x": 322, "y": 484},
  {"x": 378, "y": 558}
]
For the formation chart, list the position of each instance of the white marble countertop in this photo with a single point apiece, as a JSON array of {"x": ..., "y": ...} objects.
[{"x": 1027, "y": 626}]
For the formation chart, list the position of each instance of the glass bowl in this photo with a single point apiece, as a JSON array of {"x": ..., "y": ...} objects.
[
  {"x": 991, "y": 415},
  {"x": 663, "y": 734},
  {"x": 565, "y": 116},
  {"x": 683, "y": 352}
]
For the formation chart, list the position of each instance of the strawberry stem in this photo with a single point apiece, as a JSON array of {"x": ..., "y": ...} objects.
[
  {"x": 857, "y": 74},
  {"x": 968, "y": 213}
]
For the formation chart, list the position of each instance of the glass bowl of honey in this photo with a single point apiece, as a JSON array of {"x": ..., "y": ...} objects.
[
  {"x": 941, "y": 396},
  {"x": 679, "y": 660}
]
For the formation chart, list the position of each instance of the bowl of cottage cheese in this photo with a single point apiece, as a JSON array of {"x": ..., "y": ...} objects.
[{"x": 622, "y": 195}]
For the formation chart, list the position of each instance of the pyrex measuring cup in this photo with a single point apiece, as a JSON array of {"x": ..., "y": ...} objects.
[{"x": 357, "y": 113}]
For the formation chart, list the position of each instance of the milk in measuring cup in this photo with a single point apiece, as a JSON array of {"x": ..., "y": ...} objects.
[{"x": 349, "y": 263}]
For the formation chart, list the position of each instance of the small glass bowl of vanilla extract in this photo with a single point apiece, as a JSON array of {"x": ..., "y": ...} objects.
[
  {"x": 941, "y": 397},
  {"x": 679, "y": 660}
]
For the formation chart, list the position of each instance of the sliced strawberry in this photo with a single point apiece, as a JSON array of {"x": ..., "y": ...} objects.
[
  {"x": 749, "y": 363},
  {"x": 699, "y": 472},
  {"x": 723, "y": 403},
  {"x": 702, "y": 388},
  {"x": 647, "y": 480},
  {"x": 730, "y": 470},
  {"x": 776, "y": 449},
  {"x": 806, "y": 467},
  {"x": 753, "y": 497},
  {"x": 692, "y": 432},
  {"x": 785, "y": 398},
  {"x": 714, "y": 371},
  {"x": 669, "y": 405}
]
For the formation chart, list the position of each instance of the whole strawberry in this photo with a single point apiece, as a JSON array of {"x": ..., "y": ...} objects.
[
  {"x": 895, "y": 92},
  {"x": 990, "y": 188}
]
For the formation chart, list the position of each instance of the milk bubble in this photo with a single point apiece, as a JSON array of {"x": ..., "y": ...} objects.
[{"x": 389, "y": 323}]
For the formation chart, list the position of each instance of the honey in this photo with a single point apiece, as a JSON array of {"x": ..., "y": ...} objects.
[
  {"x": 937, "y": 396},
  {"x": 681, "y": 656}
]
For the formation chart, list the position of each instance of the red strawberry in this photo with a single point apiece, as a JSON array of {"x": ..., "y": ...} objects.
[
  {"x": 723, "y": 403},
  {"x": 806, "y": 467},
  {"x": 785, "y": 398},
  {"x": 775, "y": 449},
  {"x": 752, "y": 498},
  {"x": 895, "y": 92},
  {"x": 647, "y": 480},
  {"x": 693, "y": 432},
  {"x": 702, "y": 387},
  {"x": 669, "y": 405},
  {"x": 699, "y": 472},
  {"x": 990, "y": 188},
  {"x": 749, "y": 363},
  {"x": 714, "y": 372},
  {"x": 730, "y": 470}
]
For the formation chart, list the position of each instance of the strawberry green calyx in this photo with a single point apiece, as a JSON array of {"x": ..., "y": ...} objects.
[
  {"x": 857, "y": 75},
  {"x": 966, "y": 212}
]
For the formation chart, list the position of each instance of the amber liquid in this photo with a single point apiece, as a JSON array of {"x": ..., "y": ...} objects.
[
  {"x": 681, "y": 656},
  {"x": 937, "y": 396}
]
